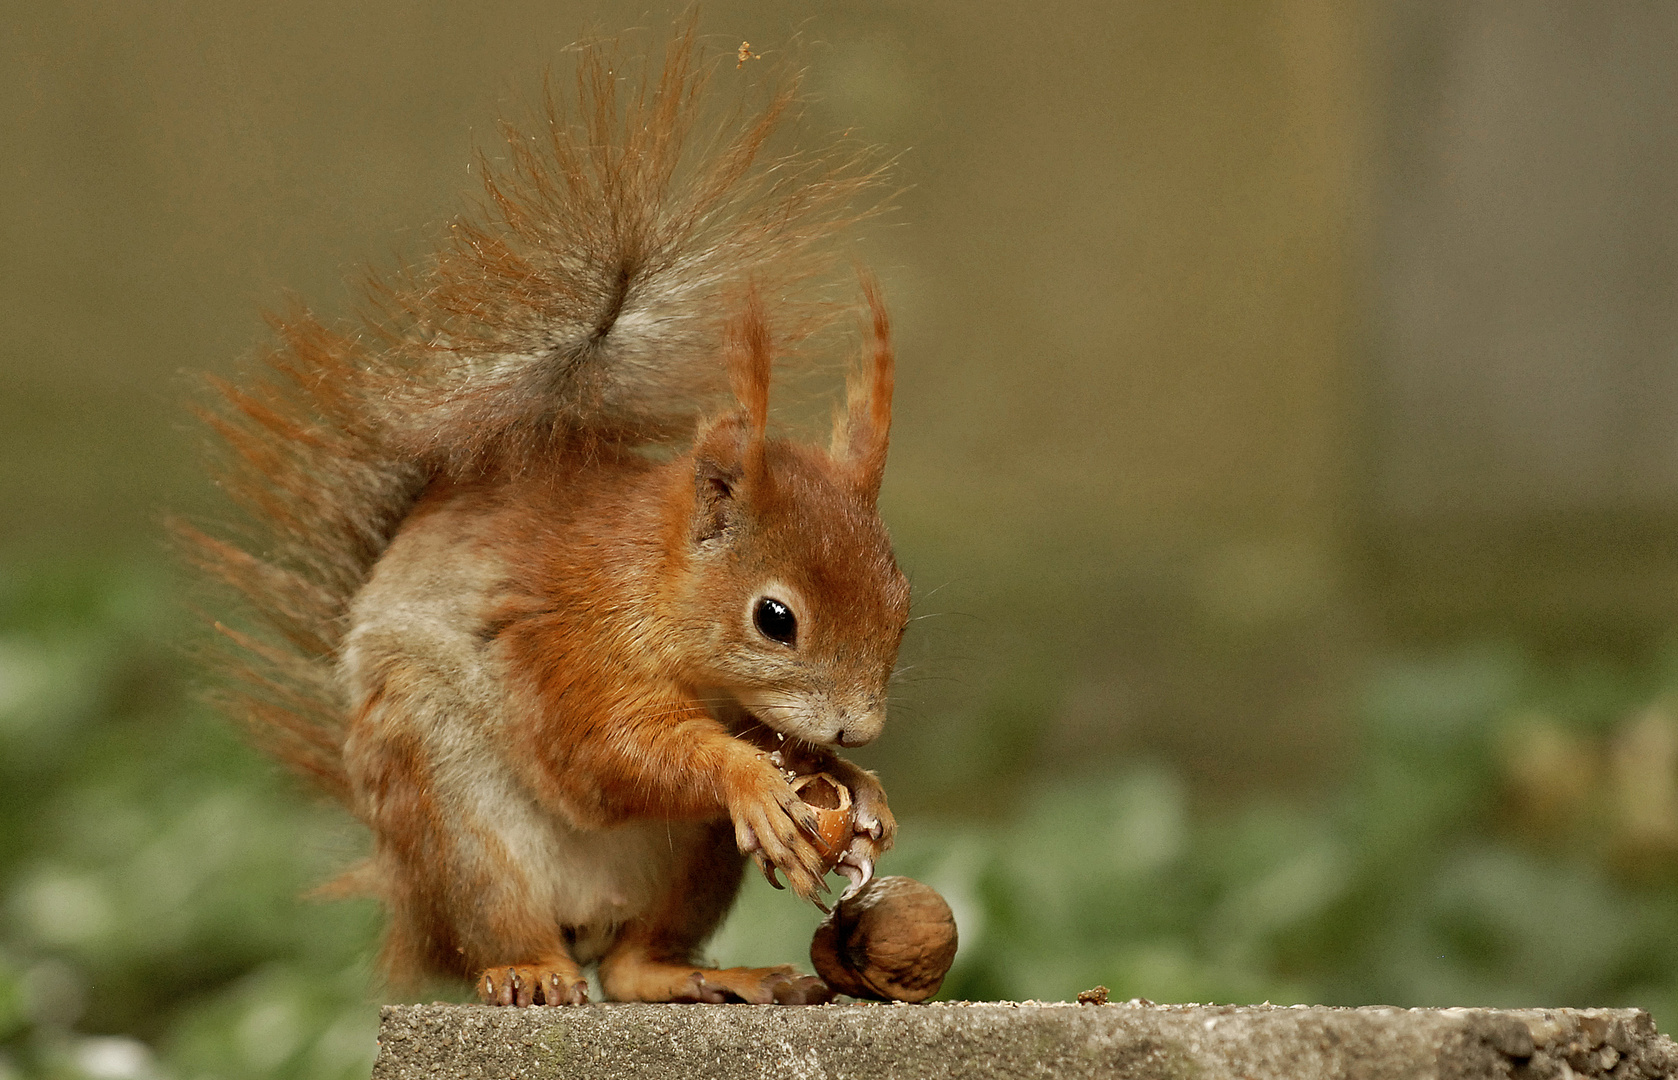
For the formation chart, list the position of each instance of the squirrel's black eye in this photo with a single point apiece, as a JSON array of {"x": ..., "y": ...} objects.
[{"x": 776, "y": 621}]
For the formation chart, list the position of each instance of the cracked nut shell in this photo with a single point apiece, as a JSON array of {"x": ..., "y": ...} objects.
[
  {"x": 831, "y": 801},
  {"x": 893, "y": 941}
]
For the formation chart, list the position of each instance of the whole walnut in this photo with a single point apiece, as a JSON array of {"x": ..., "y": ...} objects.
[{"x": 893, "y": 941}]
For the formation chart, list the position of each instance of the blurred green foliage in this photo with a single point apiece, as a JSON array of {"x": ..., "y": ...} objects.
[
  {"x": 1510, "y": 837},
  {"x": 150, "y": 864}
]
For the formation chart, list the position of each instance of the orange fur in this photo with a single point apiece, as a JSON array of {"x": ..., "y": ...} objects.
[{"x": 552, "y": 673}]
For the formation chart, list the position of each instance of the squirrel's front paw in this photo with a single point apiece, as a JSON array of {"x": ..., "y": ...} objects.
[
  {"x": 532, "y": 984},
  {"x": 874, "y": 829},
  {"x": 778, "y": 830}
]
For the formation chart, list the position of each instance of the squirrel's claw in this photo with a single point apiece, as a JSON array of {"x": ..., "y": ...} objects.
[
  {"x": 530, "y": 984},
  {"x": 859, "y": 869},
  {"x": 768, "y": 869}
]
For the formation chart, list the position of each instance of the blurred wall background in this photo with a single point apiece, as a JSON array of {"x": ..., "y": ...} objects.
[
  {"x": 1284, "y": 384},
  {"x": 1522, "y": 467},
  {"x": 1124, "y": 272}
]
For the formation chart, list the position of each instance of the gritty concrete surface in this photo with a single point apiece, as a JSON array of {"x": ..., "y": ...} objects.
[{"x": 1025, "y": 1039}]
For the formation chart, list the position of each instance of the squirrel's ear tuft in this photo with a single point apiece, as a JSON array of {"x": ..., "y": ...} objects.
[
  {"x": 862, "y": 432},
  {"x": 750, "y": 354},
  {"x": 719, "y": 476},
  {"x": 728, "y": 455}
]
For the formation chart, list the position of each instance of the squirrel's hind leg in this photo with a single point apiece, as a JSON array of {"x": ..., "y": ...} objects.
[
  {"x": 652, "y": 956},
  {"x": 461, "y": 900}
]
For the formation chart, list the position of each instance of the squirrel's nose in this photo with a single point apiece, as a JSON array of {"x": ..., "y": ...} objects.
[{"x": 863, "y": 730}]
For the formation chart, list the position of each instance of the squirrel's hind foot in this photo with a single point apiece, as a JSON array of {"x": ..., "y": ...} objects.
[
  {"x": 532, "y": 984},
  {"x": 653, "y": 981}
]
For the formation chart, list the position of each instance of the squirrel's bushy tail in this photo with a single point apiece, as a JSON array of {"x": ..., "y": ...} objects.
[{"x": 587, "y": 298}]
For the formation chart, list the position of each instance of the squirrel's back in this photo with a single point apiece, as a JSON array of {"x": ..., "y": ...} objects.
[{"x": 583, "y": 306}]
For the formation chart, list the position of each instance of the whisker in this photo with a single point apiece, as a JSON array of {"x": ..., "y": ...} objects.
[
  {"x": 937, "y": 588},
  {"x": 944, "y": 614}
]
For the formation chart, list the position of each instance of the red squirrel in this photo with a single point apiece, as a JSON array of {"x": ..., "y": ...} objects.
[{"x": 533, "y": 591}]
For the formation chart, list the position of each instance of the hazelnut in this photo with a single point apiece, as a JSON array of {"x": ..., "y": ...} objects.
[
  {"x": 893, "y": 941},
  {"x": 831, "y": 801}
]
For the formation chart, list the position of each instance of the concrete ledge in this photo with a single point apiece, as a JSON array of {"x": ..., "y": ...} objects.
[{"x": 861, "y": 1042}]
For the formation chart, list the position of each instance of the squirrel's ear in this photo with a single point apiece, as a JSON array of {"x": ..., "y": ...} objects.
[
  {"x": 861, "y": 433},
  {"x": 750, "y": 353},
  {"x": 728, "y": 454},
  {"x": 719, "y": 476}
]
